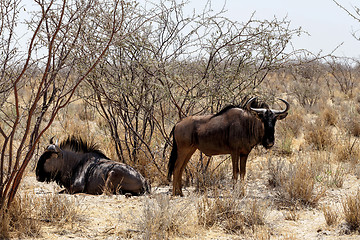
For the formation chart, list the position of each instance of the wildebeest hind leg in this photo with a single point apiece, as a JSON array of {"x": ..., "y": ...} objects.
[
  {"x": 243, "y": 159},
  {"x": 182, "y": 160},
  {"x": 235, "y": 165}
]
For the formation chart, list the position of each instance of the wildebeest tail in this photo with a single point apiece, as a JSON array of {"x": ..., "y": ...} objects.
[{"x": 173, "y": 156}]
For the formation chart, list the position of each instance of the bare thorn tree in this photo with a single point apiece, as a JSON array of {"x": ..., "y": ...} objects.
[
  {"x": 177, "y": 65},
  {"x": 59, "y": 30}
]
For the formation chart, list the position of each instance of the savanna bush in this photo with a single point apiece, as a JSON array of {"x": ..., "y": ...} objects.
[
  {"x": 295, "y": 183},
  {"x": 231, "y": 213},
  {"x": 20, "y": 219},
  {"x": 319, "y": 135},
  {"x": 59, "y": 209},
  {"x": 294, "y": 123},
  {"x": 329, "y": 116},
  {"x": 351, "y": 208},
  {"x": 347, "y": 150},
  {"x": 331, "y": 215},
  {"x": 164, "y": 219},
  {"x": 212, "y": 177}
]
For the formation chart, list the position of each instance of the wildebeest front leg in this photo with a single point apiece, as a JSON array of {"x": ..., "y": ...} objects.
[
  {"x": 180, "y": 164},
  {"x": 243, "y": 159},
  {"x": 235, "y": 165},
  {"x": 109, "y": 185}
]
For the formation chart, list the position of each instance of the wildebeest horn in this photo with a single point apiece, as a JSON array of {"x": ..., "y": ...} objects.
[
  {"x": 282, "y": 113},
  {"x": 53, "y": 148},
  {"x": 52, "y": 141},
  {"x": 256, "y": 110}
]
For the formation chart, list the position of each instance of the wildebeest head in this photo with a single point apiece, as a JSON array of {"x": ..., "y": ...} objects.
[
  {"x": 49, "y": 164},
  {"x": 268, "y": 117}
]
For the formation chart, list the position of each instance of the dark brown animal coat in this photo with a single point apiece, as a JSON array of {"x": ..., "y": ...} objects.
[
  {"x": 81, "y": 168},
  {"x": 232, "y": 131}
]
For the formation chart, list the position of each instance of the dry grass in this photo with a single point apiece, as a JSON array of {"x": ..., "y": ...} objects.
[
  {"x": 331, "y": 215},
  {"x": 294, "y": 123},
  {"x": 347, "y": 151},
  {"x": 292, "y": 213},
  {"x": 59, "y": 209},
  {"x": 295, "y": 183},
  {"x": 354, "y": 127},
  {"x": 335, "y": 177},
  {"x": 28, "y": 213},
  {"x": 20, "y": 220},
  {"x": 319, "y": 135},
  {"x": 163, "y": 218},
  {"x": 351, "y": 207},
  {"x": 233, "y": 214},
  {"x": 214, "y": 178},
  {"x": 329, "y": 116}
]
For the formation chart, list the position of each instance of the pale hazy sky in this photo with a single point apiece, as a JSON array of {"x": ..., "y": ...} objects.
[{"x": 327, "y": 24}]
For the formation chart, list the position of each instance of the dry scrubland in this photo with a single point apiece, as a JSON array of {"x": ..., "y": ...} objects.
[{"x": 305, "y": 187}]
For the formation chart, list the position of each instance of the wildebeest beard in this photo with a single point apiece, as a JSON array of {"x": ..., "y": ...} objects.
[{"x": 42, "y": 175}]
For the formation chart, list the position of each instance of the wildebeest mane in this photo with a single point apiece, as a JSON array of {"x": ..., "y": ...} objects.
[
  {"x": 254, "y": 104},
  {"x": 77, "y": 144},
  {"x": 224, "y": 110}
]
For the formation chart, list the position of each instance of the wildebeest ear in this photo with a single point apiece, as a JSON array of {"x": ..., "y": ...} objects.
[{"x": 281, "y": 116}]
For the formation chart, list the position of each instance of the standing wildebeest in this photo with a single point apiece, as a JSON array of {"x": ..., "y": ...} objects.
[
  {"x": 82, "y": 168},
  {"x": 233, "y": 130}
]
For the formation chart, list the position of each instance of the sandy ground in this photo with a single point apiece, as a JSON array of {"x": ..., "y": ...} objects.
[{"x": 118, "y": 217}]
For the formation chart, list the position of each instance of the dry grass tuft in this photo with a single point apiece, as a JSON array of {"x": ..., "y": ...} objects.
[
  {"x": 329, "y": 116},
  {"x": 294, "y": 123},
  {"x": 163, "y": 219},
  {"x": 234, "y": 215},
  {"x": 331, "y": 215},
  {"x": 59, "y": 209},
  {"x": 335, "y": 177},
  {"x": 347, "y": 151},
  {"x": 319, "y": 136},
  {"x": 292, "y": 213},
  {"x": 295, "y": 183},
  {"x": 213, "y": 178},
  {"x": 354, "y": 127},
  {"x": 20, "y": 219},
  {"x": 351, "y": 207}
]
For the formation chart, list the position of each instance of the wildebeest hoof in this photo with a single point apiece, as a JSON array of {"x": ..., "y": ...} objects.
[{"x": 128, "y": 195}]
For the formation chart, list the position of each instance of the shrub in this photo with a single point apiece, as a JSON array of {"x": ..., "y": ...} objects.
[
  {"x": 19, "y": 219},
  {"x": 294, "y": 183},
  {"x": 59, "y": 209},
  {"x": 212, "y": 178},
  {"x": 351, "y": 207},
  {"x": 354, "y": 127},
  {"x": 319, "y": 136},
  {"x": 329, "y": 116},
  {"x": 163, "y": 219},
  {"x": 331, "y": 215},
  {"x": 347, "y": 151},
  {"x": 293, "y": 123},
  {"x": 232, "y": 214}
]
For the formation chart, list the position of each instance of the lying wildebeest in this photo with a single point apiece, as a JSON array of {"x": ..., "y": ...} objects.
[
  {"x": 81, "y": 167},
  {"x": 234, "y": 130}
]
